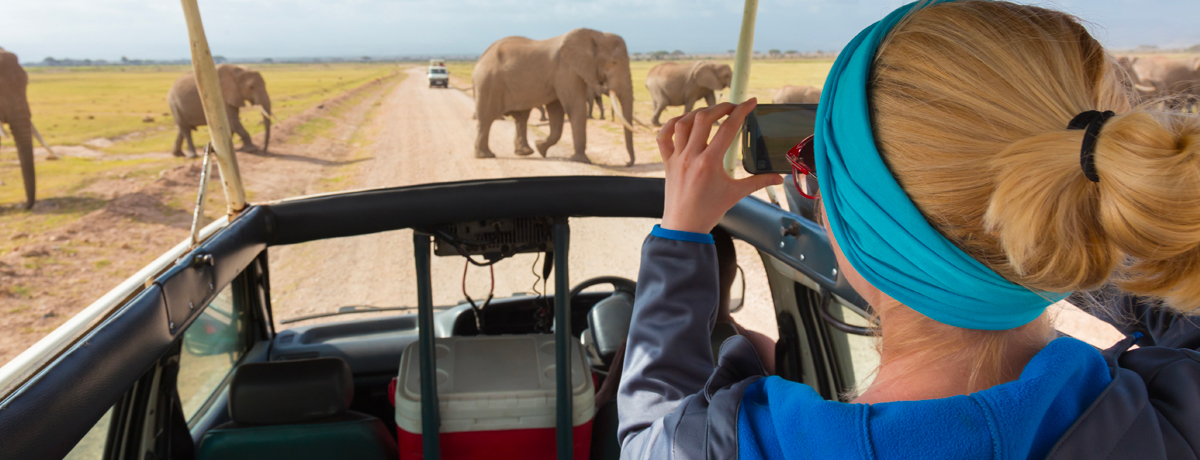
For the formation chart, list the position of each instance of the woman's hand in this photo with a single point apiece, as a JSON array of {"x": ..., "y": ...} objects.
[{"x": 698, "y": 191}]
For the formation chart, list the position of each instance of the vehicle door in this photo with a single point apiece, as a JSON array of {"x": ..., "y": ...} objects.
[{"x": 151, "y": 375}]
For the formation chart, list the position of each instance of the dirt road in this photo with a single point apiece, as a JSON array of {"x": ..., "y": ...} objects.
[{"x": 424, "y": 135}]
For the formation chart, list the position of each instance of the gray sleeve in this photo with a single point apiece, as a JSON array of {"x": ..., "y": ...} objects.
[{"x": 675, "y": 402}]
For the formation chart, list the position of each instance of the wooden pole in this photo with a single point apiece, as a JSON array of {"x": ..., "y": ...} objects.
[
  {"x": 214, "y": 109},
  {"x": 741, "y": 75}
]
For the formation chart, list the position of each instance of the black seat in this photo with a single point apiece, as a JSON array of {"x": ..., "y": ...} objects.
[{"x": 296, "y": 410}]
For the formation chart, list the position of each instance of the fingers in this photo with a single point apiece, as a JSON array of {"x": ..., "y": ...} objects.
[
  {"x": 666, "y": 146},
  {"x": 683, "y": 130},
  {"x": 754, "y": 183},
  {"x": 702, "y": 125},
  {"x": 730, "y": 127}
]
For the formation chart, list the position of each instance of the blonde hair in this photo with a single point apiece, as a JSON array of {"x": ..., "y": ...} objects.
[{"x": 970, "y": 104}]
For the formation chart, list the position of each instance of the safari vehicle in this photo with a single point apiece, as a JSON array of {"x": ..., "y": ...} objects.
[
  {"x": 116, "y": 381},
  {"x": 438, "y": 75}
]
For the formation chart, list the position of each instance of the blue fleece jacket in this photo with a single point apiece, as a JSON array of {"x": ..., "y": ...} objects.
[{"x": 1016, "y": 420}]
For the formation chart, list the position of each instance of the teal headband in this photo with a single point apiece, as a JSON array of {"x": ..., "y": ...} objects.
[{"x": 877, "y": 227}]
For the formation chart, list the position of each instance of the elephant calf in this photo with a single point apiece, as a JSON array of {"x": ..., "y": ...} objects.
[
  {"x": 239, "y": 86},
  {"x": 673, "y": 84},
  {"x": 792, "y": 94}
]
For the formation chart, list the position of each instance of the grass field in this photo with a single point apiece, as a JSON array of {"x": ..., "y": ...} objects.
[
  {"x": 76, "y": 105},
  {"x": 766, "y": 76},
  {"x": 117, "y": 100}
]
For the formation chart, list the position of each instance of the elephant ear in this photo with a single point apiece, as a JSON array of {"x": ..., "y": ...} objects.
[
  {"x": 580, "y": 53},
  {"x": 704, "y": 74},
  {"x": 229, "y": 76}
]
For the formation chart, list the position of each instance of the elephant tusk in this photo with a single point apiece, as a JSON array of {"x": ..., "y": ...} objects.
[
  {"x": 3, "y": 133},
  {"x": 267, "y": 115},
  {"x": 49, "y": 153},
  {"x": 1144, "y": 88},
  {"x": 612, "y": 98}
]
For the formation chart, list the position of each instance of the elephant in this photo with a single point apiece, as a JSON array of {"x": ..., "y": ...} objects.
[
  {"x": 792, "y": 94},
  {"x": 239, "y": 86},
  {"x": 14, "y": 111},
  {"x": 517, "y": 74},
  {"x": 1160, "y": 76},
  {"x": 673, "y": 84}
]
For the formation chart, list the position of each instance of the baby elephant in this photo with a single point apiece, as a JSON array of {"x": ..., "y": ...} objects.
[
  {"x": 792, "y": 94},
  {"x": 239, "y": 86},
  {"x": 673, "y": 84}
]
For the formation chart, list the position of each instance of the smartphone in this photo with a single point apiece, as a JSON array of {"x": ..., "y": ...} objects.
[{"x": 770, "y": 131}]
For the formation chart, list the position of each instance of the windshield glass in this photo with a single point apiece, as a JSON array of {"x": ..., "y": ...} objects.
[
  {"x": 365, "y": 103},
  {"x": 382, "y": 273}
]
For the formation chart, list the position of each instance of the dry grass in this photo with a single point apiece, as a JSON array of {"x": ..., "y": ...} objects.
[{"x": 127, "y": 105}]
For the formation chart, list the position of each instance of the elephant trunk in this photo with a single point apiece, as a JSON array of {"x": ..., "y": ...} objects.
[
  {"x": 625, "y": 97},
  {"x": 266, "y": 125},
  {"x": 22, "y": 132}
]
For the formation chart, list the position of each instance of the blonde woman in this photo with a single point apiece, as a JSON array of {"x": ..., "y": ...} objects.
[{"x": 977, "y": 162}]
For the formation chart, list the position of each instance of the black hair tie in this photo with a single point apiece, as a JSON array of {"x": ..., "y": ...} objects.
[{"x": 1092, "y": 121}]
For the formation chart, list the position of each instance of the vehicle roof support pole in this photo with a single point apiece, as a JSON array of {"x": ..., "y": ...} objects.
[
  {"x": 430, "y": 420},
  {"x": 562, "y": 340},
  {"x": 214, "y": 109},
  {"x": 741, "y": 74}
]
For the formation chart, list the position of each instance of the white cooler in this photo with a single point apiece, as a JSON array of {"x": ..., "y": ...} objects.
[{"x": 496, "y": 398}]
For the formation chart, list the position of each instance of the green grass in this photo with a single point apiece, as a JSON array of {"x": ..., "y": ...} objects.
[
  {"x": 766, "y": 76},
  {"x": 74, "y": 105}
]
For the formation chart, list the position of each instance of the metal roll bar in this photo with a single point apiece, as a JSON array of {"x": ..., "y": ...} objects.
[
  {"x": 741, "y": 74},
  {"x": 214, "y": 109}
]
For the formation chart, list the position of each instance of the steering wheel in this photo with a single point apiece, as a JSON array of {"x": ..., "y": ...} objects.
[{"x": 618, "y": 283}]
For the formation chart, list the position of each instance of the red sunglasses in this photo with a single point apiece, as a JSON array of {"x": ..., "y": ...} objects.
[{"x": 804, "y": 170}]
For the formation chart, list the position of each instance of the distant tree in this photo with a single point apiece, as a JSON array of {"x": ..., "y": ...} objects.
[
  {"x": 658, "y": 55},
  {"x": 268, "y": 60},
  {"x": 1194, "y": 49},
  {"x": 731, "y": 51},
  {"x": 791, "y": 52},
  {"x": 124, "y": 59},
  {"x": 366, "y": 58},
  {"x": 219, "y": 59},
  {"x": 49, "y": 61},
  {"x": 773, "y": 53}
]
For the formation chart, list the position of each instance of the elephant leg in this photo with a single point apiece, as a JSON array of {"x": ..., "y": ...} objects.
[
  {"x": 687, "y": 106},
  {"x": 187, "y": 134},
  {"x": 658, "y": 110},
  {"x": 178, "y": 149},
  {"x": 600, "y": 102},
  {"x": 484, "y": 126},
  {"x": 578, "y": 130},
  {"x": 521, "y": 140},
  {"x": 235, "y": 123},
  {"x": 554, "y": 111},
  {"x": 590, "y": 109},
  {"x": 542, "y": 109}
]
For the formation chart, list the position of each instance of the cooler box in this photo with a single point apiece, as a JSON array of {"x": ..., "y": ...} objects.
[{"x": 496, "y": 398}]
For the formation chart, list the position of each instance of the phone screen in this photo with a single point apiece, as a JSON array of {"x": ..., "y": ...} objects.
[{"x": 770, "y": 131}]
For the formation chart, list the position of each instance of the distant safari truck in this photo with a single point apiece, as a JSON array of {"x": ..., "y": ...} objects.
[{"x": 438, "y": 75}]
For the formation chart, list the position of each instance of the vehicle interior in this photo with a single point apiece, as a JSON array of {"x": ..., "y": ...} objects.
[{"x": 130, "y": 387}]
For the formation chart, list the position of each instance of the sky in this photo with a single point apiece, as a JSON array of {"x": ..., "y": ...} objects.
[{"x": 251, "y": 29}]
